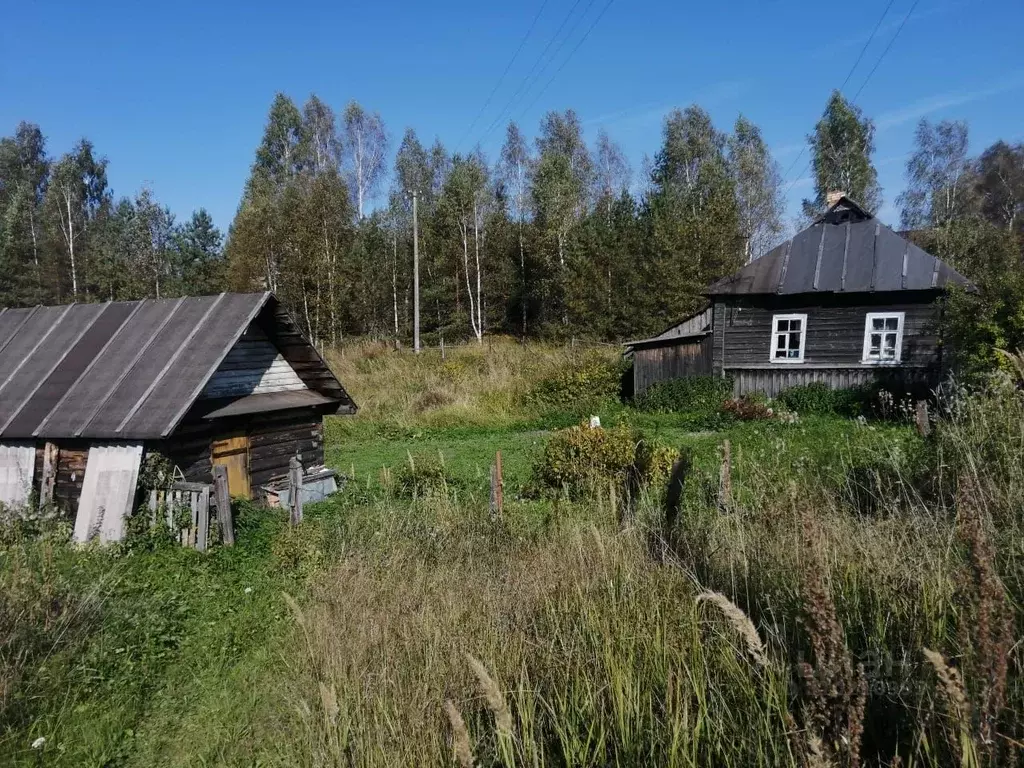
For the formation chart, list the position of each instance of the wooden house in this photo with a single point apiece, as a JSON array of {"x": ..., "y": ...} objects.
[
  {"x": 846, "y": 301},
  {"x": 87, "y": 389}
]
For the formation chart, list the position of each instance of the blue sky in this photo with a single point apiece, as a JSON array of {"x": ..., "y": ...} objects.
[{"x": 175, "y": 94}]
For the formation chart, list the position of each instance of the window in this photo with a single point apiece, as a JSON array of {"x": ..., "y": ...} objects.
[
  {"x": 788, "y": 334},
  {"x": 883, "y": 337}
]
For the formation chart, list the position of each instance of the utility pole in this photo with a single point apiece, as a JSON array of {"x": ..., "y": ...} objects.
[{"x": 415, "y": 277}]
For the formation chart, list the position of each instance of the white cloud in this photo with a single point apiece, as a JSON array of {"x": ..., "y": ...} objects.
[
  {"x": 653, "y": 113},
  {"x": 926, "y": 106}
]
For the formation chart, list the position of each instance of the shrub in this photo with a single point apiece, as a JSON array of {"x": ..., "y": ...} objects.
[
  {"x": 817, "y": 398},
  {"x": 751, "y": 407},
  {"x": 580, "y": 459},
  {"x": 422, "y": 475},
  {"x": 690, "y": 393},
  {"x": 591, "y": 381}
]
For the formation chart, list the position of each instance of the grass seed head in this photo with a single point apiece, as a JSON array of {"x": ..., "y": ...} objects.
[
  {"x": 492, "y": 695},
  {"x": 461, "y": 744},
  {"x": 740, "y": 622}
]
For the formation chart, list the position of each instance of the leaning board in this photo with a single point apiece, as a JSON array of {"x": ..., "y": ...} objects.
[{"x": 108, "y": 491}]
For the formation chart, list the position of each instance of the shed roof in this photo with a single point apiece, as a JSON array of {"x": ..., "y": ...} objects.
[
  {"x": 847, "y": 250},
  {"x": 693, "y": 327},
  {"x": 127, "y": 369}
]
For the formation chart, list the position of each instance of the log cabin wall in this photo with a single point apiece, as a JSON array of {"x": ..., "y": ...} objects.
[
  {"x": 834, "y": 341},
  {"x": 273, "y": 439},
  {"x": 71, "y": 462}
]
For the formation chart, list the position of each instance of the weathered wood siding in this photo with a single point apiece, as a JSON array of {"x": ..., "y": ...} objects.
[
  {"x": 834, "y": 342},
  {"x": 835, "y": 333},
  {"x": 273, "y": 439},
  {"x": 272, "y": 442},
  {"x": 253, "y": 366},
  {"x": 300, "y": 354},
  {"x": 689, "y": 357},
  {"x": 71, "y": 462}
]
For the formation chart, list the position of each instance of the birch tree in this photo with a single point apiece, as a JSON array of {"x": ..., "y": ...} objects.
[
  {"x": 76, "y": 197},
  {"x": 758, "y": 189},
  {"x": 514, "y": 172},
  {"x": 939, "y": 183},
  {"x": 611, "y": 173},
  {"x": 366, "y": 147},
  {"x": 841, "y": 148}
]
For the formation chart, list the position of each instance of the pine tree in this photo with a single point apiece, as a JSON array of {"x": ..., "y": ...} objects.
[
  {"x": 24, "y": 171},
  {"x": 841, "y": 148},
  {"x": 198, "y": 246}
]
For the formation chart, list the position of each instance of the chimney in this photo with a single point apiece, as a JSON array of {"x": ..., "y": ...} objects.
[{"x": 833, "y": 197}]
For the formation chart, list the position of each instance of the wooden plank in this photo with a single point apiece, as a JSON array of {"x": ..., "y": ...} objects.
[
  {"x": 295, "y": 482},
  {"x": 203, "y": 528},
  {"x": 48, "y": 479},
  {"x": 224, "y": 519}
]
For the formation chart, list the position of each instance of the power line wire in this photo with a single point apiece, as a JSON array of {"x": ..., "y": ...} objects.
[
  {"x": 849, "y": 74},
  {"x": 898, "y": 30},
  {"x": 529, "y": 81},
  {"x": 571, "y": 53},
  {"x": 501, "y": 79},
  {"x": 866, "y": 79}
]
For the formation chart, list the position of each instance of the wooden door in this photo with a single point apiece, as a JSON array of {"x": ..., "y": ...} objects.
[{"x": 233, "y": 453}]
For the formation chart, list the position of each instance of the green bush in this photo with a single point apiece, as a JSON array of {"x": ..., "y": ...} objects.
[
  {"x": 591, "y": 381},
  {"x": 691, "y": 393},
  {"x": 423, "y": 474},
  {"x": 817, "y": 398},
  {"x": 580, "y": 459}
]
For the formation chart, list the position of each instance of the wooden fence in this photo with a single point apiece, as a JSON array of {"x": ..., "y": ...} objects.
[{"x": 188, "y": 507}]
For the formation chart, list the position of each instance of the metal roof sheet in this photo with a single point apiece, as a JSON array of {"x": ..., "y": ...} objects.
[
  {"x": 846, "y": 250},
  {"x": 127, "y": 370}
]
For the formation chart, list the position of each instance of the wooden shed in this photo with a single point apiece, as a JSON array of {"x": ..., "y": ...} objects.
[
  {"x": 86, "y": 390},
  {"x": 683, "y": 349},
  {"x": 845, "y": 302}
]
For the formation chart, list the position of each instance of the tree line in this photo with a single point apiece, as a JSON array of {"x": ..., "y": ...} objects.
[{"x": 550, "y": 238}]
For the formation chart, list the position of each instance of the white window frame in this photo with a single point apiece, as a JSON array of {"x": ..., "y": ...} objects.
[
  {"x": 775, "y": 338},
  {"x": 871, "y": 316}
]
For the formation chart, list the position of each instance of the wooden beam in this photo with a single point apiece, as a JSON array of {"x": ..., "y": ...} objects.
[
  {"x": 220, "y": 489},
  {"x": 51, "y": 455},
  {"x": 295, "y": 483}
]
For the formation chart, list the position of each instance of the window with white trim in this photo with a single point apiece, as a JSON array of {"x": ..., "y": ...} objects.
[
  {"x": 788, "y": 335},
  {"x": 883, "y": 337}
]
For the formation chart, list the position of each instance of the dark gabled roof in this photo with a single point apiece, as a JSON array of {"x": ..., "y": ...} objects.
[
  {"x": 129, "y": 369},
  {"x": 847, "y": 250},
  {"x": 693, "y": 327}
]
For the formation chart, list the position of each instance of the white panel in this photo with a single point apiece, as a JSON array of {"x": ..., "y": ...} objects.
[
  {"x": 17, "y": 463},
  {"x": 253, "y": 366},
  {"x": 108, "y": 491}
]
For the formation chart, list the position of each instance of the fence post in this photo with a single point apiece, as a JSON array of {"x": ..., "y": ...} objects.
[
  {"x": 497, "y": 487},
  {"x": 295, "y": 482},
  {"x": 203, "y": 530},
  {"x": 220, "y": 490},
  {"x": 50, "y": 458},
  {"x": 725, "y": 478},
  {"x": 924, "y": 426}
]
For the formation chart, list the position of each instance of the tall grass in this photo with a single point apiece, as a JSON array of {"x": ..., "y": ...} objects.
[
  {"x": 859, "y": 609},
  {"x": 800, "y": 629},
  {"x": 475, "y": 385}
]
